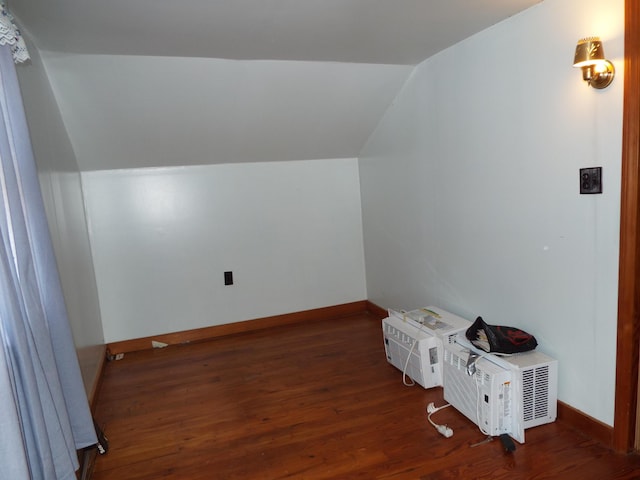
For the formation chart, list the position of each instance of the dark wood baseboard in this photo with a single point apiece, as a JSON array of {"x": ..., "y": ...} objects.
[
  {"x": 94, "y": 389},
  {"x": 377, "y": 311},
  {"x": 580, "y": 421},
  {"x": 87, "y": 456},
  {"x": 91, "y": 361},
  {"x": 206, "y": 333}
]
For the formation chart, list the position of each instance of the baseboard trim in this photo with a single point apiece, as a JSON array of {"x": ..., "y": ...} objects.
[
  {"x": 91, "y": 360},
  {"x": 94, "y": 390},
  {"x": 595, "y": 429},
  {"x": 207, "y": 333},
  {"x": 87, "y": 455},
  {"x": 377, "y": 311}
]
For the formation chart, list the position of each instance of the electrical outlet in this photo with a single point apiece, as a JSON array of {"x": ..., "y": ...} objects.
[{"x": 591, "y": 180}]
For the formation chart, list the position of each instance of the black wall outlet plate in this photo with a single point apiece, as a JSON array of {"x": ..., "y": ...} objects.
[{"x": 591, "y": 180}]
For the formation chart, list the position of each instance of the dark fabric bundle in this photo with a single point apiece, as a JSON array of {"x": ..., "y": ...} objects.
[{"x": 500, "y": 339}]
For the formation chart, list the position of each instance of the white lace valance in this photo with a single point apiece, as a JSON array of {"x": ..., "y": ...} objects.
[{"x": 10, "y": 35}]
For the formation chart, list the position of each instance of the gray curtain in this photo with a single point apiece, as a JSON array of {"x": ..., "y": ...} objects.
[{"x": 44, "y": 414}]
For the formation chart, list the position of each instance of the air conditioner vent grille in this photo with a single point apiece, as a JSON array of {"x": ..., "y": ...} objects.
[
  {"x": 542, "y": 391},
  {"x": 453, "y": 359},
  {"x": 528, "y": 394},
  {"x": 535, "y": 393}
]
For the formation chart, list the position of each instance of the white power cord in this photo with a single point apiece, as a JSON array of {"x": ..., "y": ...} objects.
[
  {"x": 442, "y": 429},
  {"x": 409, "y": 383},
  {"x": 477, "y": 379}
]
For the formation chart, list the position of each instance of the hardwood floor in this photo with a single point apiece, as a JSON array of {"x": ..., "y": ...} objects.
[{"x": 309, "y": 401}]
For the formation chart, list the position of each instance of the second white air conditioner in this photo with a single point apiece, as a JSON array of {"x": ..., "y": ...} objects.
[{"x": 413, "y": 342}]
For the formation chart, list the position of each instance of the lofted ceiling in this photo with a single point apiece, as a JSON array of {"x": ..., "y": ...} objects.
[{"x": 143, "y": 83}]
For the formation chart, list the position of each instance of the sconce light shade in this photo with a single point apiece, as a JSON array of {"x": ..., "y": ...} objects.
[{"x": 597, "y": 71}]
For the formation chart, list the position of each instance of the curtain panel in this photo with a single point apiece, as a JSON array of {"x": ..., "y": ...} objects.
[{"x": 45, "y": 414}]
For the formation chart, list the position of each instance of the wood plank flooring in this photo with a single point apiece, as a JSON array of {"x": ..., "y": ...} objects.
[{"x": 309, "y": 401}]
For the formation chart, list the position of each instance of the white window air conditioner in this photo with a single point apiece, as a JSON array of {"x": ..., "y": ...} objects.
[
  {"x": 500, "y": 394},
  {"x": 413, "y": 342}
]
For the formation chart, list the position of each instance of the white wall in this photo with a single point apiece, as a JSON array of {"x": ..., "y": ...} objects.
[
  {"x": 62, "y": 193},
  {"x": 470, "y": 190},
  {"x": 291, "y": 232}
]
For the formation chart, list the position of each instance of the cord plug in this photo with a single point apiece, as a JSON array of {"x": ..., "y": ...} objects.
[{"x": 444, "y": 431}]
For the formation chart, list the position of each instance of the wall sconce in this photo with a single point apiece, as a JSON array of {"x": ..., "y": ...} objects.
[{"x": 597, "y": 71}]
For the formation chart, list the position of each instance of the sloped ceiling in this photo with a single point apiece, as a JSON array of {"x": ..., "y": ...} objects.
[{"x": 144, "y": 83}]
